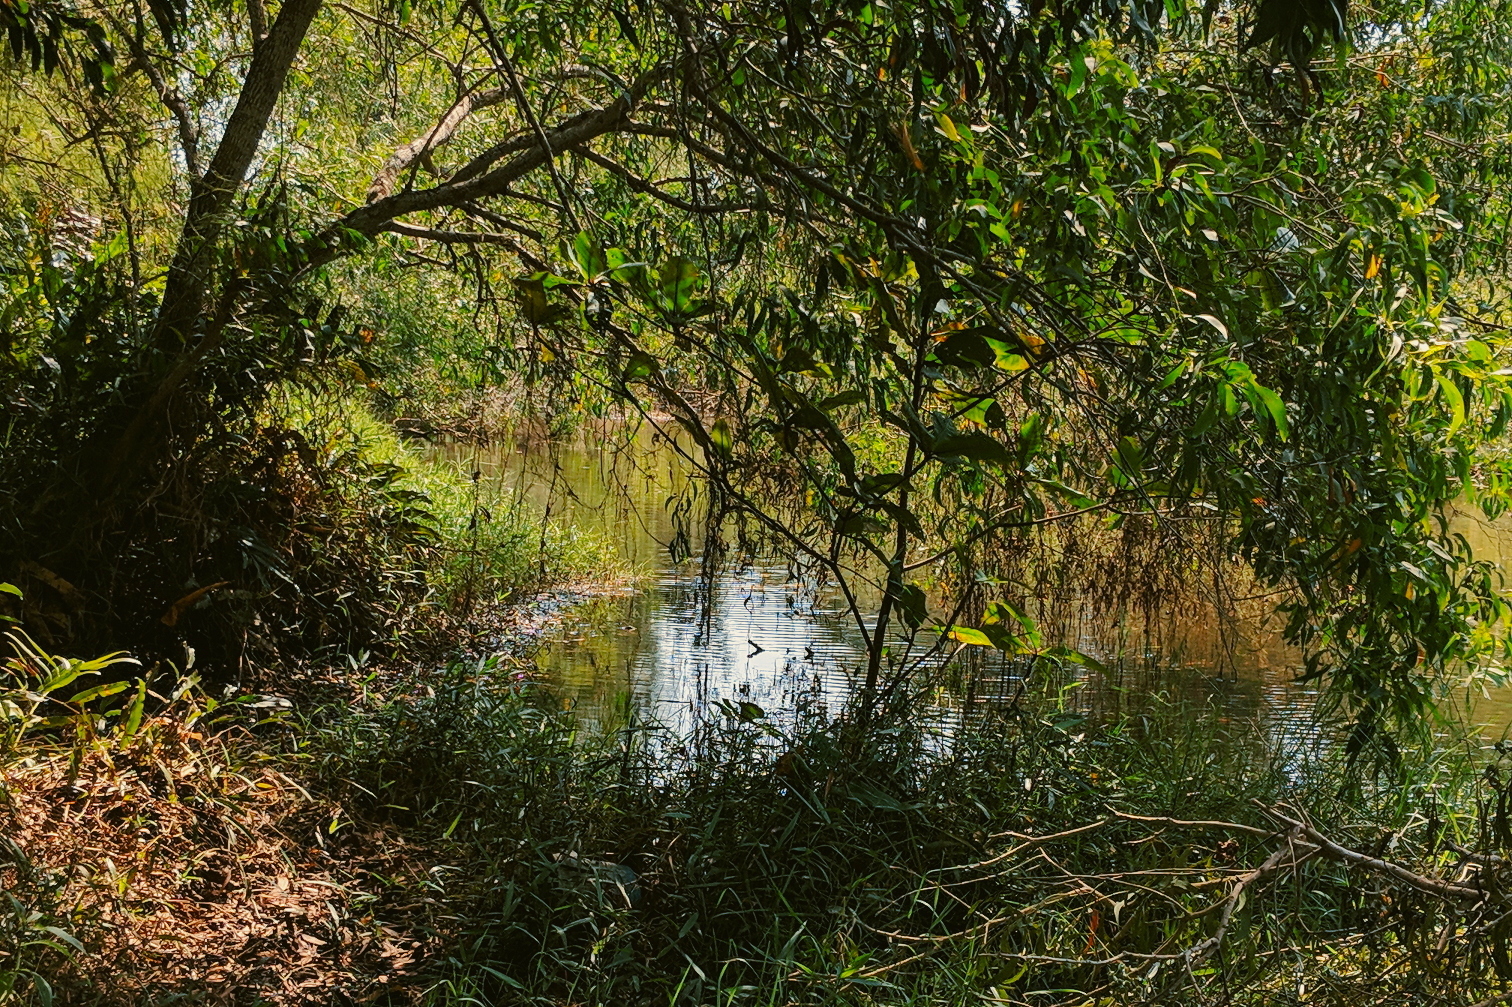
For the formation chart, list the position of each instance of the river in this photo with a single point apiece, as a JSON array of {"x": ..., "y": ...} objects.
[{"x": 683, "y": 638}]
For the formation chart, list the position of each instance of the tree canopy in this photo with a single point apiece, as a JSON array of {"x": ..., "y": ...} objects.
[{"x": 920, "y": 280}]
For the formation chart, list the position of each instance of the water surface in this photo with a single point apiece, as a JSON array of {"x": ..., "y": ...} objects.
[{"x": 752, "y": 631}]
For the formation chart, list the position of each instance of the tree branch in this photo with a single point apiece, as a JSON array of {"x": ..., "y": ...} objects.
[
  {"x": 174, "y": 102},
  {"x": 448, "y": 237},
  {"x": 370, "y": 218},
  {"x": 499, "y": 220},
  {"x": 258, "y": 21},
  {"x": 402, "y": 158},
  {"x": 1429, "y": 886},
  {"x": 638, "y": 184}
]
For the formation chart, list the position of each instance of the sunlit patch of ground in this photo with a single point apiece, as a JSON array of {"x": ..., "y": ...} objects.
[{"x": 195, "y": 866}]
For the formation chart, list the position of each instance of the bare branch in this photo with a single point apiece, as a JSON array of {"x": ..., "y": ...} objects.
[
  {"x": 1183, "y": 823},
  {"x": 1429, "y": 886},
  {"x": 187, "y": 128}
]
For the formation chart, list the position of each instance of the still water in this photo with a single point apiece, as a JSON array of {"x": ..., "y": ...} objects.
[{"x": 682, "y": 637}]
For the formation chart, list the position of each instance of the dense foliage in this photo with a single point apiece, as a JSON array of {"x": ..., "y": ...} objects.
[
  {"x": 922, "y": 280},
  {"x": 960, "y": 307}
]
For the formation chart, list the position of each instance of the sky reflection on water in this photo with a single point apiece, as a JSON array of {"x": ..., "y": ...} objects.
[{"x": 678, "y": 644}]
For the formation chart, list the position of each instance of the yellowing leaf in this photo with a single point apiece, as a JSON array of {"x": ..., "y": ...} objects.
[{"x": 1005, "y": 358}]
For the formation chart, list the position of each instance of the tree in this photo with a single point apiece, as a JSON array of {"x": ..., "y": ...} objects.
[{"x": 955, "y": 274}]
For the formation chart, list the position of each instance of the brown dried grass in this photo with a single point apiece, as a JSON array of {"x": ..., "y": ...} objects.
[{"x": 195, "y": 867}]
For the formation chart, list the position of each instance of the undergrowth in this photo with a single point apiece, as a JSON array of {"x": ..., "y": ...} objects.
[
  {"x": 160, "y": 847},
  {"x": 454, "y": 838},
  {"x": 490, "y": 546},
  {"x": 751, "y": 864}
]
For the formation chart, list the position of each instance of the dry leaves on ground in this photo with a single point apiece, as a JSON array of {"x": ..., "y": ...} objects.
[{"x": 182, "y": 870}]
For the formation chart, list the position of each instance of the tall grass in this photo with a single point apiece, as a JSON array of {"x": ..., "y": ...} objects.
[
  {"x": 747, "y": 865},
  {"x": 489, "y": 545},
  {"x": 1032, "y": 857}
]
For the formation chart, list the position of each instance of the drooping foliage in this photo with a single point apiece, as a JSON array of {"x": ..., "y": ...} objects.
[{"x": 921, "y": 280}]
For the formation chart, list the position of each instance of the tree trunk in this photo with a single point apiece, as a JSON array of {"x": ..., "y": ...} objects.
[
  {"x": 192, "y": 271},
  {"x": 188, "y": 276}
]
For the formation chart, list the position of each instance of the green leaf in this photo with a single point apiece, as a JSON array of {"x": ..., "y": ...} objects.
[
  {"x": 1273, "y": 407},
  {"x": 1456, "y": 401},
  {"x": 912, "y": 605},
  {"x": 588, "y": 256},
  {"x": 721, "y": 438},
  {"x": 1073, "y": 656},
  {"x": 134, "y": 714},
  {"x": 66, "y": 938},
  {"x": 849, "y": 397},
  {"x": 973, "y": 445},
  {"x": 640, "y": 365},
  {"x": 677, "y": 280},
  {"x": 98, "y": 692},
  {"x": 1128, "y": 460},
  {"x": 967, "y": 349},
  {"x": 1009, "y": 628},
  {"x": 743, "y": 711}
]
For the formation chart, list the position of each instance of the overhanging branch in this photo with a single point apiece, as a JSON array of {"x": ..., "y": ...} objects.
[
  {"x": 416, "y": 150},
  {"x": 448, "y": 237}
]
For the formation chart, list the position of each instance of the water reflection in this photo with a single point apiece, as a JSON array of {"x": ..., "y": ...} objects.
[
  {"x": 687, "y": 638},
  {"x": 683, "y": 642}
]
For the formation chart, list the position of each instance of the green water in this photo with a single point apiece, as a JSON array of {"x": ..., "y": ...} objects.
[{"x": 683, "y": 637}]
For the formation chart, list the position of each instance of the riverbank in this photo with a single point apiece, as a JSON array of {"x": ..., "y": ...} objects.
[
  {"x": 454, "y": 836},
  {"x": 444, "y": 824}
]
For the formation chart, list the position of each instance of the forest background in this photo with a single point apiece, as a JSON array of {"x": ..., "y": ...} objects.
[{"x": 947, "y": 302}]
